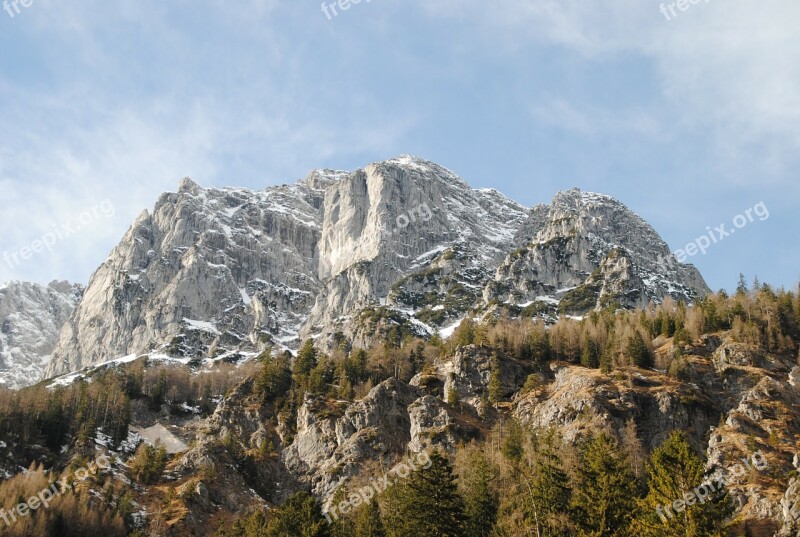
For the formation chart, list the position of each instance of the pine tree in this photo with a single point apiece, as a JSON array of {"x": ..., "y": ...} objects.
[
  {"x": 495, "y": 386},
  {"x": 675, "y": 471},
  {"x": 274, "y": 379},
  {"x": 306, "y": 359},
  {"x": 607, "y": 357},
  {"x": 549, "y": 489},
  {"x": 481, "y": 502},
  {"x": 604, "y": 497},
  {"x": 148, "y": 463},
  {"x": 428, "y": 503},
  {"x": 512, "y": 447},
  {"x": 638, "y": 351},
  {"x": 590, "y": 354},
  {"x": 300, "y": 516},
  {"x": 741, "y": 287},
  {"x": 484, "y": 406},
  {"x": 368, "y": 521}
]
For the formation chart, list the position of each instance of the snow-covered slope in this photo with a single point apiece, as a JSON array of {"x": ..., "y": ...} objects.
[
  {"x": 402, "y": 245},
  {"x": 31, "y": 317}
]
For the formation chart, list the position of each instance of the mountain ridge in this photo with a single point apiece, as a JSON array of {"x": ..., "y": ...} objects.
[{"x": 275, "y": 266}]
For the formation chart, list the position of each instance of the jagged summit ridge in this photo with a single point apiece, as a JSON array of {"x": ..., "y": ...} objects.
[
  {"x": 594, "y": 246},
  {"x": 222, "y": 273}
]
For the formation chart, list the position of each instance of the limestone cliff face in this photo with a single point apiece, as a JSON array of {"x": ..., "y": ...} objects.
[
  {"x": 592, "y": 251},
  {"x": 31, "y": 316},
  {"x": 235, "y": 268},
  {"x": 224, "y": 273}
]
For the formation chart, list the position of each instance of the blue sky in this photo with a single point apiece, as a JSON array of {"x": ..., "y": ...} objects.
[{"x": 690, "y": 121}]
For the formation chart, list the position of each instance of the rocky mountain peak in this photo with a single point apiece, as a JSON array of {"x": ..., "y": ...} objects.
[{"x": 222, "y": 273}]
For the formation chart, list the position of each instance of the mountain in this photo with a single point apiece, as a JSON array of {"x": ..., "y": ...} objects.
[
  {"x": 245, "y": 443},
  {"x": 279, "y": 345},
  {"x": 31, "y": 316},
  {"x": 401, "y": 247}
]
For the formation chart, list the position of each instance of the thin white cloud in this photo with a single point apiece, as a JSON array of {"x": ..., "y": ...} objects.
[
  {"x": 594, "y": 121},
  {"x": 730, "y": 67}
]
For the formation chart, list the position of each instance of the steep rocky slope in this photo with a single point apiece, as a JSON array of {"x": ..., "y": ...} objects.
[
  {"x": 588, "y": 250},
  {"x": 733, "y": 400},
  {"x": 31, "y": 316},
  {"x": 403, "y": 244}
]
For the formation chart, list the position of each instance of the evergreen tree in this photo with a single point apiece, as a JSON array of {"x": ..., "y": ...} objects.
[
  {"x": 741, "y": 287},
  {"x": 607, "y": 357},
  {"x": 638, "y": 351},
  {"x": 512, "y": 447},
  {"x": 300, "y": 516},
  {"x": 604, "y": 497},
  {"x": 465, "y": 333},
  {"x": 148, "y": 463},
  {"x": 274, "y": 379},
  {"x": 495, "y": 386},
  {"x": 368, "y": 521},
  {"x": 483, "y": 407},
  {"x": 549, "y": 488},
  {"x": 540, "y": 346},
  {"x": 674, "y": 472},
  {"x": 590, "y": 353},
  {"x": 427, "y": 503},
  {"x": 306, "y": 359},
  {"x": 481, "y": 502}
]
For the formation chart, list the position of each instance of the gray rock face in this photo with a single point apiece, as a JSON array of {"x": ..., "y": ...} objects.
[
  {"x": 592, "y": 251},
  {"x": 332, "y": 444},
  {"x": 31, "y": 316},
  {"x": 213, "y": 273},
  {"x": 206, "y": 268}
]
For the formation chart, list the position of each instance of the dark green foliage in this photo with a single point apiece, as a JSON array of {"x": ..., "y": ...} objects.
[
  {"x": 274, "y": 379},
  {"x": 427, "y": 503},
  {"x": 368, "y": 521},
  {"x": 480, "y": 499},
  {"x": 300, "y": 516},
  {"x": 673, "y": 471},
  {"x": 306, "y": 359},
  {"x": 512, "y": 447},
  {"x": 148, "y": 463},
  {"x": 638, "y": 352},
  {"x": 495, "y": 385},
  {"x": 550, "y": 490},
  {"x": 464, "y": 334},
  {"x": 590, "y": 354},
  {"x": 581, "y": 299},
  {"x": 604, "y": 498}
]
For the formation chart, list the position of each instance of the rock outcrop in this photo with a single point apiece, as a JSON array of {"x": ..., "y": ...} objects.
[{"x": 31, "y": 316}]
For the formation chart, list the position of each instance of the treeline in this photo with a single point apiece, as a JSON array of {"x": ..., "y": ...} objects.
[
  {"x": 609, "y": 339},
  {"x": 524, "y": 483},
  {"x": 73, "y": 414}
]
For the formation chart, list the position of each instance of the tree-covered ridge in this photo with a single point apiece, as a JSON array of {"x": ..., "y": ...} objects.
[{"x": 508, "y": 477}]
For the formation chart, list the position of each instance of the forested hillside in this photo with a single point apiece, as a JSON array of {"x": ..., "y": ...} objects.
[{"x": 587, "y": 426}]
